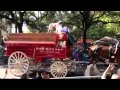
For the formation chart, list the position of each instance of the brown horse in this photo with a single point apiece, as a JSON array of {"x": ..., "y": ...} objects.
[{"x": 102, "y": 52}]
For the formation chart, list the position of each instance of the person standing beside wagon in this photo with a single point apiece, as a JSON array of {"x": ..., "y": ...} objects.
[{"x": 2, "y": 46}]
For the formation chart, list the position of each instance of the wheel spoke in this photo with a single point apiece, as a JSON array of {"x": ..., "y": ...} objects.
[
  {"x": 25, "y": 64},
  {"x": 22, "y": 69},
  {"x": 13, "y": 66},
  {"x": 12, "y": 60},
  {"x": 13, "y": 57},
  {"x": 58, "y": 69},
  {"x": 23, "y": 59},
  {"x": 16, "y": 56},
  {"x": 55, "y": 74},
  {"x": 18, "y": 63},
  {"x": 25, "y": 67},
  {"x": 21, "y": 55}
]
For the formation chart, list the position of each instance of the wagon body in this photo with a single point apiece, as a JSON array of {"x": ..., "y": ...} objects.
[
  {"x": 27, "y": 51},
  {"x": 39, "y": 46}
]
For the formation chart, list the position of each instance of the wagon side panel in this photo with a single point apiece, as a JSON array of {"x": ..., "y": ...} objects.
[{"x": 27, "y": 49}]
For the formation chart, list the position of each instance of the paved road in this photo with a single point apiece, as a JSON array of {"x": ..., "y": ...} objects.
[
  {"x": 3, "y": 68},
  {"x": 9, "y": 75}
]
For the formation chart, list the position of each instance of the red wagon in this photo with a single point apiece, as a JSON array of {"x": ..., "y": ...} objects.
[{"x": 30, "y": 50}]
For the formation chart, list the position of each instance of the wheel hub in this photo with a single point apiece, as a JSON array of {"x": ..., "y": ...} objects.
[{"x": 59, "y": 70}]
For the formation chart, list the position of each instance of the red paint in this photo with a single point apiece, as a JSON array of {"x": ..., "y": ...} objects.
[
  {"x": 36, "y": 47},
  {"x": 87, "y": 41}
]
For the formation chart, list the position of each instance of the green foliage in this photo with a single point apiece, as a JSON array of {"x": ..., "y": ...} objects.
[
  {"x": 96, "y": 24},
  {"x": 98, "y": 31}
]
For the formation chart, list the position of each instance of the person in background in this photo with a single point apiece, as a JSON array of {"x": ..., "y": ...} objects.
[
  {"x": 2, "y": 47},
  {"x": 37, "y": 75},
  {"x": 74, "y": 49},
  {"x": 109, "y": 71},
  {"x": 76, "y": 52},
  {"x": 80, "y": 49},
  {"x": 25, "y": 76},
  {"x": 75, "y": 37},
  {"x": 66, "y": 30},
  {"x": 43, "y": 75}
]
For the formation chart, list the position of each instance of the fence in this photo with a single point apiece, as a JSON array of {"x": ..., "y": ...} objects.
[{"x": 79, "y": 77}]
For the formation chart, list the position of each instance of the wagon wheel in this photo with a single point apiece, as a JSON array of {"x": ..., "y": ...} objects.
[
  {"x": 58, "y": 69},
  {"x": 18, "y": 63}
]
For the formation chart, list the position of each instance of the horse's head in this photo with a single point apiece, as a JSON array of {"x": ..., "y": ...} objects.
[{"x": 91, "y": 51}]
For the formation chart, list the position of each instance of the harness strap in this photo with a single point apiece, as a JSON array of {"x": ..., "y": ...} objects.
[
  {"x": 96, "y": 49},
  {"x": 110, "y": 51},
  {"x": 116, "y": 48}
]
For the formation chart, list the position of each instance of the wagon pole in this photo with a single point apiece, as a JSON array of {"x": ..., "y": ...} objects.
[{"x": 79, "y": 77}]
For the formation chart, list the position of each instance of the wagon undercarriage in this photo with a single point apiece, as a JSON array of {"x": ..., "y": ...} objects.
[{"x": 20, "y": 64}]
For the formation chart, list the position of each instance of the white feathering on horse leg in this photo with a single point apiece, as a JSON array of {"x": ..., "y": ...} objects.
[
  {"x": 87, "y": 71},
  {"x": 96, "y": 70}
]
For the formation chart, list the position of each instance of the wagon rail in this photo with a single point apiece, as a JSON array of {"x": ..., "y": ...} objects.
[{"x": 79, "y": 77}]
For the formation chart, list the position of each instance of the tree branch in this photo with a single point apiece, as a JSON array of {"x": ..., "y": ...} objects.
[
  {"x": 6, "y": 17},
  {"x": 103, "y": 22},
  {"x": 92, "y": 16},
  {"x": 99, "y": 15},
  {"x": 42, "y": 17},
  {"x": 12, "y": 15}
]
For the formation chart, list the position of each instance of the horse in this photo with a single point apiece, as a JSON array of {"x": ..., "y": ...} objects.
[{"x": 103, "y": 52}]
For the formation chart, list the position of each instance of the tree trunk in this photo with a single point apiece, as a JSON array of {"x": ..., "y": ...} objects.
[
  {"x": 84, "y": 39},
  {"x": 16, "y": 28},
  {"x": 86, "y": 26},
  {"x": 20, "y": 27},
  {"x": 21, "y": 14}
]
